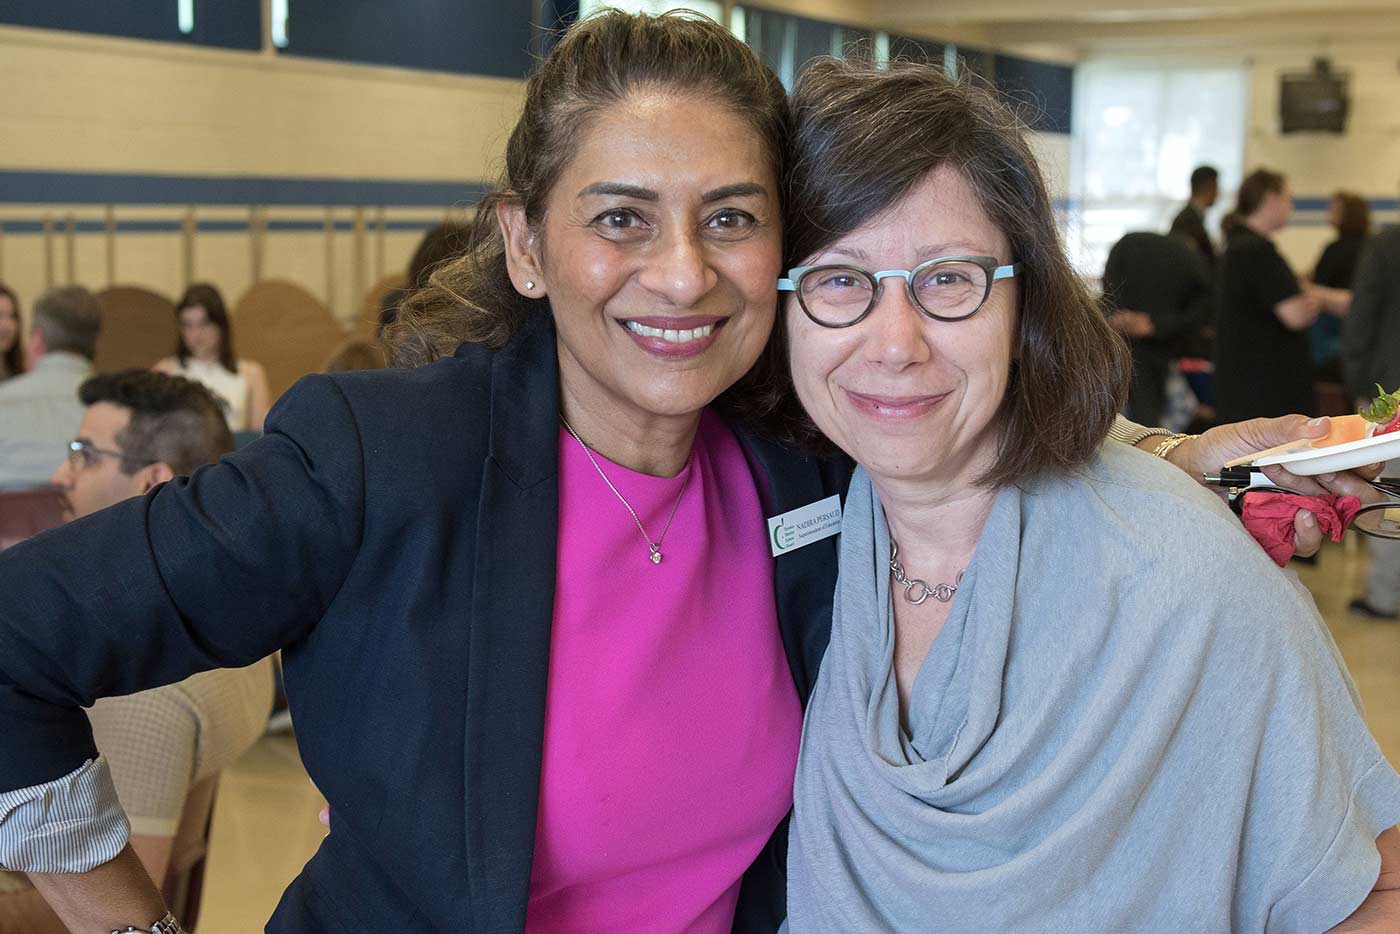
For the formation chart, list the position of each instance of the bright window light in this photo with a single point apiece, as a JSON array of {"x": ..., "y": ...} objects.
[
  {"x": 185, "y": 11},
  {"x": 279, "y": 23}
]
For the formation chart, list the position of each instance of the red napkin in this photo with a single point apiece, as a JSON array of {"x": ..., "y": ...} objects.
[{"x": 1269, "y": 518}]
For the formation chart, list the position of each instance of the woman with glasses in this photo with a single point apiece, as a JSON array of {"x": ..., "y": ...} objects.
[
  {"x": 543, "y": 662},
  {"x": 1064, "y": 691}
]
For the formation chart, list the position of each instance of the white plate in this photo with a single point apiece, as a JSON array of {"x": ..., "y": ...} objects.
[{"x": 1312, "y": 461}]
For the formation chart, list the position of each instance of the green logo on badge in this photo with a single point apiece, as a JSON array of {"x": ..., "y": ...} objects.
[{"x": 784, "y": 536}]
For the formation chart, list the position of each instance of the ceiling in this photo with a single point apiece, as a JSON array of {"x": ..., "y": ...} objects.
[{"x": 1090, "y": 25}]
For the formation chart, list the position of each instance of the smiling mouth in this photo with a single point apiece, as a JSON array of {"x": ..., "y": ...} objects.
[
  {"x": 672, "y": 335},
  {"x": 896, "y": 407}
]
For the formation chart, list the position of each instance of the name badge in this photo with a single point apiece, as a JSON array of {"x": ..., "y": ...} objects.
[{"x": 804, "y": 525}]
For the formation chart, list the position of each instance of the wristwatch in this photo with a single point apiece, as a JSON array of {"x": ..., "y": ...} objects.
[{"x": 166, "y": 925}]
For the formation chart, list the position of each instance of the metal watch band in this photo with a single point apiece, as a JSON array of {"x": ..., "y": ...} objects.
[{"x": 166, "y": 925}]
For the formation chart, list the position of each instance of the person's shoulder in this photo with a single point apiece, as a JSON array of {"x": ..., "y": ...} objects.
[
  {"x": 251, "y": 369},
  {"x": 1151, "y": 504},
  {"x": 1159, "y": 530},
  {"x": 166, "y": 365}
]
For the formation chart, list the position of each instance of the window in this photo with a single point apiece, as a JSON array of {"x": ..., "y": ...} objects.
[
  {"x": 1138, "y": 132},
  {"x": 480, "y": 37},
  {"x": 228, "y": 24},
  {"x": 788, "y": 42}
]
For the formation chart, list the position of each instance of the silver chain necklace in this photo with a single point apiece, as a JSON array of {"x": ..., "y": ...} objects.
[
  {"x": 654, "y": 547},
  {"x": 940, "y": 592}
]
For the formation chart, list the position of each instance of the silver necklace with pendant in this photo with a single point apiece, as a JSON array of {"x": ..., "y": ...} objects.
[
  {"x": 917, "y": 591},
  {"x": 653, "y": 547}
]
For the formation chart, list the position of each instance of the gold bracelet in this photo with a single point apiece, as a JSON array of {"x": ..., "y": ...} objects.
[{"x": 1164, "y": 449}]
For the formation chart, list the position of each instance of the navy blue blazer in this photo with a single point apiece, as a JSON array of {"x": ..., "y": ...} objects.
[{"x": 394, "y": 533}]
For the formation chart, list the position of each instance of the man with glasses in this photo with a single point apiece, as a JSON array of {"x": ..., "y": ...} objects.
[{"x": 140, "y": 429}]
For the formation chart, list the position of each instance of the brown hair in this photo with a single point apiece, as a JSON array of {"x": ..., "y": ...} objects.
[
  {"x": 1355, "y": 215},
  {"x": 353, "y": 355},
  {"x": 863, "y": 139},
  {"x": 11, "y": 360},
  {"x": 207, "y": 297},
  {"x": 596, "y": 65},
  {"x": 1253, "y": 189}
]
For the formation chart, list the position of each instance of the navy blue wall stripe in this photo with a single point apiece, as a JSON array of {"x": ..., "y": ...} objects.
[
  {"x": 26, "y": 187},
  {"x": 211, "y": 226}
]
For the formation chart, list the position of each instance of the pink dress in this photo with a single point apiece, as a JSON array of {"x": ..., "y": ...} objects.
[{"x": 671, "y": 722}]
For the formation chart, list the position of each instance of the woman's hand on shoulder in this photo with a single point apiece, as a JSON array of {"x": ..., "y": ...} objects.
[{"x": 1208, "y": 452}]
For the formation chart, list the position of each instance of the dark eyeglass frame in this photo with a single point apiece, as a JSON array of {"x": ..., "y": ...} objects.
[
  {"x": 994, "y": 269},
  {"x": 84, "y": 453}
]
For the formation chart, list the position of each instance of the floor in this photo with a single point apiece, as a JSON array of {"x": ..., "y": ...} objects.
[{"x": 265, "y": 826}]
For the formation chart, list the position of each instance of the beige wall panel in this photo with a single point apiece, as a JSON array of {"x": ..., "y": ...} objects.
[
  {"x": 297, "y": 257},
  {"x": 24, "y": 269},
  {"x": 201, "y": 111},
  {"x": 222, "y": 259},
  {"x": 151, "y": 260},
  {"x": 90, "y": 260}
]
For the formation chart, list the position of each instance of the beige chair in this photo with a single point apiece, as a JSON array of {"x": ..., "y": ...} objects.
[
  {"x": 138, "y": 328},
  {"x": 28, "y": 512},
  {"x": 286, "y": 329},
  {"x": 183, "y": 887}
]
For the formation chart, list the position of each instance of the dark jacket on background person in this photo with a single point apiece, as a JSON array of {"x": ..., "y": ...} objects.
[
  {"x": 1262, "y": 367},
  {"x": 1371, "y": 330},
  {"x": 1190, "y": 225},
  {"x": 1167, "y": 280},
  {"x": 395, "y": 533}
]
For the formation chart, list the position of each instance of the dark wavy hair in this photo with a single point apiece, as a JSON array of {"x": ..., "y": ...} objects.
[
  {"x": 12, "y": 359},
  {"x": 174, "y": 421},
  {"x": 209, "y": 298},
  {"x": 865, "y": 138},
  {"x": 1355, "y": 215},
  {"x": 597, "y": 64}
]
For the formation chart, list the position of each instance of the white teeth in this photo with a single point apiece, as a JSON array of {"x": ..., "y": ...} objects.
[{"x": 670, "y": 335}]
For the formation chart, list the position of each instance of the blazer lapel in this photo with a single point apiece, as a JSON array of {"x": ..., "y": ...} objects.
[{"x": 511, "y": 614}]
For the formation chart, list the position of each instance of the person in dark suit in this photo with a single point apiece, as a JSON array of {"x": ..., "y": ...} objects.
[
  {"x": 544, "y": 664},
  {"x": 1156, "y": 289},
  {"x": 1190, "y": 222},
  {"x": 1371, "y": 356}
]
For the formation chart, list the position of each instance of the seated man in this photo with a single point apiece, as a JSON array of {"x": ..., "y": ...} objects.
[
  {"x": 39, "y": 410},
  {"x": 140, "y": 429}
]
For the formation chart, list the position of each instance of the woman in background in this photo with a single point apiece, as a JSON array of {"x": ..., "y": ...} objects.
[
  {"x": 1350, "y": 216},
  {"x": 204, "y": 353},
  {"x": 1263, "y": 364},
  {"x": 11, "y": 355}
]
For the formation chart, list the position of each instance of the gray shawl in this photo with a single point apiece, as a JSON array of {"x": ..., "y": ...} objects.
[{"x": 1131, "y": 721}]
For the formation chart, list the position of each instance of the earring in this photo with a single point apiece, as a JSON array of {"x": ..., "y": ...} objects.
[{"x": 530, "y": 286}]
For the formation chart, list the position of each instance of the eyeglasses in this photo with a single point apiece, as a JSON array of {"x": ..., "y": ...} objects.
[
  {"x": 82, "y": 453},
  {"x": 950, "y": 288}
]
